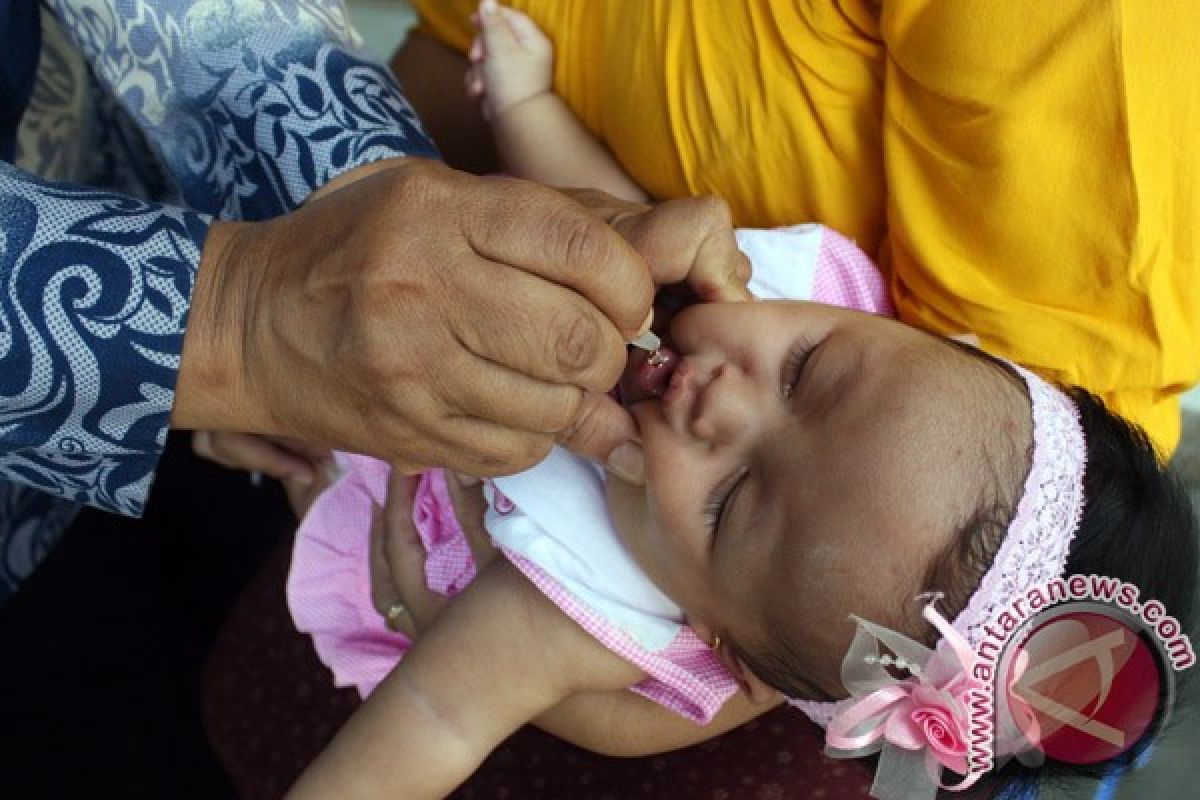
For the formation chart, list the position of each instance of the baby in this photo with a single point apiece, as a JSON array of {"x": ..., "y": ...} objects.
[
  {"x": 554, "y": 522},
  {"x": 806, "y": 466}
]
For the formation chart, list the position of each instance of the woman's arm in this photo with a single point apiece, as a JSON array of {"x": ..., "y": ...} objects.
[
  {"x": 84, "y": 410},
  {"x": 494, "y": 659},
  {"x": 256, "y": 106}
]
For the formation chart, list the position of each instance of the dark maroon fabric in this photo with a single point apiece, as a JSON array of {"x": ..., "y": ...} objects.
[{"x": 270, "y": 708}]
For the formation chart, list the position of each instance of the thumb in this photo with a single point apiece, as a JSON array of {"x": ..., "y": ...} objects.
[
  {"x": 383, "y": 589},
  {"x": 690, "y": 240},
  {"x": 498, "y": 36},
  {"x": 605, "y": 432},
  {"x": 400, "y": 544}
]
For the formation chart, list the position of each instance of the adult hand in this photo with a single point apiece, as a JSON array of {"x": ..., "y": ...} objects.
[
  {"x": 432, "y": 318},
  {"x": 397, "y": 558},
  {"x": 420, "y": 315},
  {"x": 687, "y": 241}
]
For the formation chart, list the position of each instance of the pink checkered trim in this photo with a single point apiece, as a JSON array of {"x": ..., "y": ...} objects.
[
  {"x": 329, "y": 585},
  {"x": 845, "y": 277},
  {"x": 449, "y": 565},
  {"x": 685, "y": 677}
]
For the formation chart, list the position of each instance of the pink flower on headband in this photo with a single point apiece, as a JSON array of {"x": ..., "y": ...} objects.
[
  {"x": 917, "y": 724},
  {"x": 932, "y": 718}
]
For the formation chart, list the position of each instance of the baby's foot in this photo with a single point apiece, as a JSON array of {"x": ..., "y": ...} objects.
[{"x": 511, "y": 59}]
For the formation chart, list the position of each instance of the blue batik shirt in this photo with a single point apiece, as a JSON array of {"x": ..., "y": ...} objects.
[{"x": 146, "y": 121}]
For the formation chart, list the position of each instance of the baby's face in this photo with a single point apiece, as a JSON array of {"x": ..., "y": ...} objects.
[{"x": 806, "y": 463}]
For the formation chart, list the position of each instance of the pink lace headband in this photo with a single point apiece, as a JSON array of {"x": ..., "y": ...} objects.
[{"x": 1034, "y": 552}]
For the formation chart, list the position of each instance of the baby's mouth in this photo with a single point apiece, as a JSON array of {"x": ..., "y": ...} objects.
[{"x": 647, "y": 375}]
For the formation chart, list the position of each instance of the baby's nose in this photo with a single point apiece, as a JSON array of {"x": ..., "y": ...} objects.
[{"x": 724, "y": 410}]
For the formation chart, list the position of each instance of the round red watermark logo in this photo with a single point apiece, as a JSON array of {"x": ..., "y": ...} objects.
[{"x": 1086, "y": 683}]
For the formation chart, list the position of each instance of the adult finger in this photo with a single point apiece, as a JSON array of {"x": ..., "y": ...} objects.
[
  {"x": 253, "y": 453},
  {"x": 691, "y": 240},
  {"x": 314, "y": 454},
  {"x": 688, "y": 239},
  {"x": 605, "y": 432},
  {"x": 524, "y": 404},
  {"x": 538, "y": 328},
  {"x": 545, "y": 233},
  {"x": 466, "y": 479},
  {"x": 302, "y": 495},
  {"x": 480, "y": 447}
]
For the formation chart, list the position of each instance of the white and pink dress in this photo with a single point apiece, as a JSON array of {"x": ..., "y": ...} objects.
[{"x": 552, "y": 523}]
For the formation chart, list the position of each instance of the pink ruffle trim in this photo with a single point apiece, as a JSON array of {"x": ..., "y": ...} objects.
[{"x": 329, "y": 585}]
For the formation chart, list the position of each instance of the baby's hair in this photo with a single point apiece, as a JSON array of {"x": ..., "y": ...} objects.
[{"x": 1139, "y": 526}]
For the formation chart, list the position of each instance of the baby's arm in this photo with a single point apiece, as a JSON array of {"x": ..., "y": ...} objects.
[
  {"x": 536, "y": 134},
  {"x": 495, "y": 658},
  {"x": 625, "y": 724}
]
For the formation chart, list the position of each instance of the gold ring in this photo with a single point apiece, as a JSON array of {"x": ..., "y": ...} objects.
[{"x": 393, "y": 614}]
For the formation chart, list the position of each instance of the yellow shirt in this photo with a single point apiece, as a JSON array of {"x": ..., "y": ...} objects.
[{"x": 1026, "y": 172}]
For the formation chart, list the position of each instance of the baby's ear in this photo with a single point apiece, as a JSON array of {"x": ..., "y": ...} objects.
[{"x": 759, "y": 692}]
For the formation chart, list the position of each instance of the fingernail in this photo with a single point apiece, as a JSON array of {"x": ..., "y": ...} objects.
[
  {"x": 487, "y": 6},
  {"x": 628, "y": 463},
  {"x": 303, "y": 477},
  {"x": 466, "y": 480},
  {"x": 647, "y": 323}
]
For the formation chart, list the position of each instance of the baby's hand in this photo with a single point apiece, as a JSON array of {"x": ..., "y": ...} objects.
[
  {"x": 511, "y": 59},
  {"x": 397, "y": 556}
]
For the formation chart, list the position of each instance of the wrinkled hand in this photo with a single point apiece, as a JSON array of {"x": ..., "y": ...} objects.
[
  {"x": 398, "y": 557},
  {"x": 420, "y": 315},
  {"x": 428, "y": 317},
  {"x": 276, "y": 456},
  {"x": 687, "y": 242}
]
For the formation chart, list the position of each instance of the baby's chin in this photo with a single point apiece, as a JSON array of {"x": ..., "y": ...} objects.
[{"x": 629, "y": 509}]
